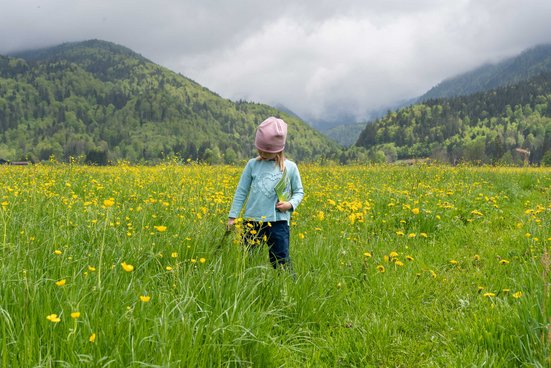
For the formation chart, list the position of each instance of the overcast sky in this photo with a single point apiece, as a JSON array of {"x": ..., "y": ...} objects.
[{"x": 319, "y": 58}]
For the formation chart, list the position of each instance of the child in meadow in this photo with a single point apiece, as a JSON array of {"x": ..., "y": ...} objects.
[{"x": 267, "y": 213}]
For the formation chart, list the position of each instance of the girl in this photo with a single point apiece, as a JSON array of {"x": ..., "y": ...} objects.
[{"x": 274, "y": 190}]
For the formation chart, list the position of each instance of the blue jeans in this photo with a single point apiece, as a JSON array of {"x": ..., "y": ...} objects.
[{"x": 275, "y": 235}]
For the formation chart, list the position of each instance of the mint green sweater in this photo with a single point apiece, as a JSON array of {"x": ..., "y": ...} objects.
[{"x": 256, "y": 188}]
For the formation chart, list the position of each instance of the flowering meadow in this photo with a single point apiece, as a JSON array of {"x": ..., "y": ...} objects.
[{"x": 418, "y": 266}]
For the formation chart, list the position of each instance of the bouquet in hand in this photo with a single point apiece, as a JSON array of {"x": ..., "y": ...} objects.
[{"x": 282, "y": 193}]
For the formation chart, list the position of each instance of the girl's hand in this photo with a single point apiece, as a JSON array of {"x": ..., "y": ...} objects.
[
  {"x": 230, "y": 224},
  {"x": 284, "y": 206}
]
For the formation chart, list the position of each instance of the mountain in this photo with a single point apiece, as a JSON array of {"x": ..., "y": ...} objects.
[
  {"x": 347, "y": 134},
  {"x": 102, "y": 102},
  {"x": 528, "y": 64},
  {"x": 494, "y": 126}
]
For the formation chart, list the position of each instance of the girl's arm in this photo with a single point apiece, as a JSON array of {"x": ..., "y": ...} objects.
[{"x": 241, "y": 192}]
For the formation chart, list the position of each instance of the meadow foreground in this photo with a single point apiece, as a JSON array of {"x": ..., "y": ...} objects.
[{"x": 421, "y": 266}]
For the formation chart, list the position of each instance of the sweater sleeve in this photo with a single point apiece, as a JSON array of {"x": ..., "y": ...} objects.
[
  {"x": 242, "y": 191},
  {"x": 296, "y": 188}
]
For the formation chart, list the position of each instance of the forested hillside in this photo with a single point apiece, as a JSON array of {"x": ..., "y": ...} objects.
[
  {"x": 101, "y": 102},
  {"x": 525, "y": 66},
  {"x": 485, "y": 127}
]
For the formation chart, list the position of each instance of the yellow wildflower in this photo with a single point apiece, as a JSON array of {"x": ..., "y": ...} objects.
[
  {"x": 127, "y": 267},
  {"x": 92, "y": 338},
  {"x": 381, "y": 268},
  {"x": 57, "y": 252},
  {"x": 53, "y": 318},
  {"x": 75, "y": 315},
  {"x": 61, "y": 282},
  {"x": 517, "y": 295},
  {"x": 160, "y": 228},
  {"x": 109, "y": 202},
  {"x": 504, "y": 262},
  {"x": 145, "y": 298}
]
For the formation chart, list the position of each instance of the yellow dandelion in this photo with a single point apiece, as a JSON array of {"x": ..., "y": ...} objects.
[
  {"x": 454, "y": 262},
  {"x": 476, "y": 257},
  {"x": 109, "y": 202},
  {"x": 193, "y": 260},
  {"x": 504, "y": 262},
  {"x": 412, "y": 235},
  {"x": 393, "y": 254},
  {"x": 168, "y": 268},
  {"x": 174, "y": 254},
  {"x": 517, "y": 295},
  {"x": 53, "y": 318},
  {"x": 75, "y": 315},
  {"x": 127, "y": 267},
  {"x": 145, "y": 298},
  {"x": 57, "y": 252},
  {"x": 399, "y": 263},
  {"x": 410, "y": 258},
  {"x": 61, "y": 282},
  {"x": 160, "y": 228},
  {"x": 367, "y": 254},
  {"x": 506, "y": 291},
  {"x": 92, "y": 338},
  {"x": 423, "y": 235},
  {"x": 301, "y": 235},
  {"x": 433, "y": 274},
  {"x": 381, "y": 268},
  {"x": 400, "y": 233},
  {"x": 320, "y": 216},
  {"x": 415, "y": 211},
  {"x": 91, "y": 268},
  {"x": 489, "y": 295},
  {"x": 202, "y": 260}
]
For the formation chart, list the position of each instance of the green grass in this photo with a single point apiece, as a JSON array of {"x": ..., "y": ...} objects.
[{"x": 467, "y": 286}]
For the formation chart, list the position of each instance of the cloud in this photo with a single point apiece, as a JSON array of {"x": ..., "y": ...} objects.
[{"x": 321, "y": 59}]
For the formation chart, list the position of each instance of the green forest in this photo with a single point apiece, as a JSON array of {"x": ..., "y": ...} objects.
[
  {"x": 487, "y": 127},
  {"x": 98, "y": 102}
]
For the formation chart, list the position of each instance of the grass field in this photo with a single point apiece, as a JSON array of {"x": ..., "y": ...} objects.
[{"x": 421, "y": 266}]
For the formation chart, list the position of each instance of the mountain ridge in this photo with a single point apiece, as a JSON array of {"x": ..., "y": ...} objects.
[{"x": 527, "y": 64}]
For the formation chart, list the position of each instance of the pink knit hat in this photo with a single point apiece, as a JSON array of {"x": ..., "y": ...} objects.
[{"x": 271, "y": 135}]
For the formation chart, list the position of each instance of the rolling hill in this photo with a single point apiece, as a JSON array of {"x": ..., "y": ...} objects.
[{"x": 101, "y": 102}]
